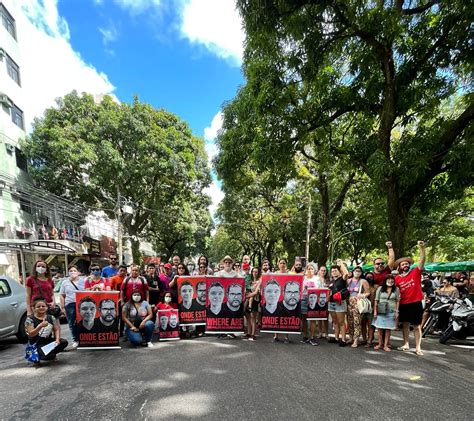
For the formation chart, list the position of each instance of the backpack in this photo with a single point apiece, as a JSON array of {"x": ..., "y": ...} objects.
[{"x": 125, "y": 286}]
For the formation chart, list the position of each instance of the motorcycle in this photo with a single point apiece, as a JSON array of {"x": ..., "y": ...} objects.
[
  {"x": 461, "y": 322},
  {"x": 439, "y": 310}
]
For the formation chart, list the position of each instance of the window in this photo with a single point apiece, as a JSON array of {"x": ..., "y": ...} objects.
[
  {"x": 4, "y": 288},
  {"x": 25, "y": 205},
  {"x": 17, "y": 117},
  {"x": 13, "y": 69},
  {"x": 8, "y": 21},
  {"x": 21, "y": 161}
]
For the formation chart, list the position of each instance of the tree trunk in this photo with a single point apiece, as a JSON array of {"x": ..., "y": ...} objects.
[
  {"x": 397, "y": 211},
  {"x": 137, "y": 256},
  {"x": 323, "y": 252}
]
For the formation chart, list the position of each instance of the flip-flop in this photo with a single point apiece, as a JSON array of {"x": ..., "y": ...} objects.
[
  {"x": 403, "y": 348},
  {"x": 419, "y": 353},
  {"x": 386, "y": 349}
]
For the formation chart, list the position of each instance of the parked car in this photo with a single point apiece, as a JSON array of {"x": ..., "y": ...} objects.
[{"x": 12, "y": 309}]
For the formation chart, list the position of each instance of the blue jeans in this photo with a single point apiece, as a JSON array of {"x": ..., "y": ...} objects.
[
  {"x": 71, "y": 320},
  {"x": 136, "y": 338}
]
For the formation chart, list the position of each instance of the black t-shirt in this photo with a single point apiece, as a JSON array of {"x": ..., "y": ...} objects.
[
  {"x": 227, "y": 312},
  {"x": 101, "y": 328},
  {"x": 338, "y": 285},
  {"x": 154, "y": 282},
  {"x": 195, "y": 306},
  {"x": 284, "y": 312}
]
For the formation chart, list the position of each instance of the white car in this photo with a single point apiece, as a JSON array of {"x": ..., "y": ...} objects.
[{"x": 12, "y": 308}]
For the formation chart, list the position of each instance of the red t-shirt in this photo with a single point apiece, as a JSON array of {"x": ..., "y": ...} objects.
[
  {"x": 380, "y": 277},
  {"x": 139, "y": 283},
  {"x": 41, "y": 288},
  {"x": 103, "y": 282},
  {"x": 166, "y": 306},
  {"x": 410, "y": 286}
]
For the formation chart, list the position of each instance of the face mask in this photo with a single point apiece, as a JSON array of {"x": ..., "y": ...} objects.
[
  {"x": 41, "y": 270},
  {"x": 73, "y": 275},
  {"x": 167, "y": 299},
  {"x": 96, "y": 272},
  {"x": 136, "y": 298}
]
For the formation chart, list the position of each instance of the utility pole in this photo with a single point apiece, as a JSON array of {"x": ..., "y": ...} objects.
[
  {"x": 308, "y": 230},
  {"x": 118, "y": 214}
]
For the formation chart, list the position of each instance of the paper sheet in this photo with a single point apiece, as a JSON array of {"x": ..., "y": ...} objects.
[{"x": 48, "y": 348}]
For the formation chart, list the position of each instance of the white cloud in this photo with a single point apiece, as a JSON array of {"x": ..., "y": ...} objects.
[
  {"x": 210, "y": 135},
  {"x": 137, "y": 6},
  {"x": 49, "y": 66},
  {"x": 216, "y": 25},
  {"x": 109, "y": 34},
  {"x": 216, "y": 194}
]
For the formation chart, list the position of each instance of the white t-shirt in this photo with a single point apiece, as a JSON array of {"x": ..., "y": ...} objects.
[
  {"x": 69, "y": 290},
  {"x": 231, "y": 274}
]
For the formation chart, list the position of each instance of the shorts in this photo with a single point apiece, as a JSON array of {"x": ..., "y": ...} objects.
[
  {"x": 338, "y": 308},
  {"x": 411, "y": 313},
  {"x": 254, "y": 308}
]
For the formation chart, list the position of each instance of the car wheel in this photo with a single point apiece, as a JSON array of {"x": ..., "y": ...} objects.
[{"x": 21, "y": 334}]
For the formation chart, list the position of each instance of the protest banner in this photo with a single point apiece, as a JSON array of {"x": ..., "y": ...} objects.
[
  {"x": 225, "y": 305},
  {"x": 281, "y": 303},
  {"x": 318, "y": 299},
  {"x": 168, "y": 323},
  {"x": 97, "y": 319},
  {"x": 192, "y": 300}
]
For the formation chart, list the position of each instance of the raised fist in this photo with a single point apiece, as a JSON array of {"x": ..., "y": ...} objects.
[
  {"x": 421, "y": 243},
  {"x": 389, "y": 244}
]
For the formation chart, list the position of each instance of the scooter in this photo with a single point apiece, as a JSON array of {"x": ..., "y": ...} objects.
[
  {"x": 461, "y": 322},
  {"x": 439, "y": 310}
]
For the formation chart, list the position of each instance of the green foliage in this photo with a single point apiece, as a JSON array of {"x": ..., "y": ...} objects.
[
  {"x": 385, "y": 84},
  {"x": 88, "y": 152}
]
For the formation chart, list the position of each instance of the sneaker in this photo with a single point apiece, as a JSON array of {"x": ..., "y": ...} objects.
[
  {"x": 304, "y": 340},
  {"x": 231, "y": 335},
  {"x": 276, "y": 340},
  {"x": 251, "y": 338},
  {"x": 75, "y": 344},
  {"x": 287, "y": 341},
  {"x": 313, "y": 342},
  {"x": 332, "y": 340},
  {"x": 150, "y": 345},
  {"x": 342, "y": 343}
]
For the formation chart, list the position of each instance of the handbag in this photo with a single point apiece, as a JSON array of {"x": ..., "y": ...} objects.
[
  {"x": 31, "y": 353},
  {"x": 363, "y": 304},
  {"x": 382, "y": 307}
]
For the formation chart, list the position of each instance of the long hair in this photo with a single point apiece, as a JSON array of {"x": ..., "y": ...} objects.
[
  {"x": 384, "y": 284},
  {"x": 259, "y": 273},
  {"x": 47, "y": 274}
]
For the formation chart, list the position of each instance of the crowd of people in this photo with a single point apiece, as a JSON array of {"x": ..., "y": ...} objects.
[{"x": 361, "y": 305}]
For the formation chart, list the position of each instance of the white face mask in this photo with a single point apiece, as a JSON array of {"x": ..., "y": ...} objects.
[
  {"x": 41, "y": 270},
  {"x": 73, "y": 274},
  {"x": 167, "y": 299},
  {"x": 136, "y": 298}
]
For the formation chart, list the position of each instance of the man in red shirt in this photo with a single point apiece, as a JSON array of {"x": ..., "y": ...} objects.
[
  {"x": 380, "y": 270},
  {"x": 411, "y": 297}
]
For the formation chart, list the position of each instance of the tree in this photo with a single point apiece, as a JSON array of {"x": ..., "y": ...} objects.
[
  {"x": 92, "y": 152},
  {"x": 396, "y": 74}
]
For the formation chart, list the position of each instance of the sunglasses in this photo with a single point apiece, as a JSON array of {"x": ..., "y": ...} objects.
[{"x": 379, "y": 264}]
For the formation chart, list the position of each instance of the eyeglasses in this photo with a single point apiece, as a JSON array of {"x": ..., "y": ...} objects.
[
  {"x": 180, "y": 268},
  {"x": 379, "y": 264},
  {"x": 202, "y": 267}
]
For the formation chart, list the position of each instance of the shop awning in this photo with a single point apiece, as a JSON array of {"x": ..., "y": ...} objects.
[{"x": 37, "y": 246}]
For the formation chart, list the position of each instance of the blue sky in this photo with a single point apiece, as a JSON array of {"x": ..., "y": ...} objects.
[
  {"x": 182, "y": 55},
  {"x": 145, "y": 53}
]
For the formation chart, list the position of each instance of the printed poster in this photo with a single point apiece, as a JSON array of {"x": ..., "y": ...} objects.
[
  {"x": 192, "y": 300},
  {"x": 168, "y": 324},
  {"x": 97, "y": 319},
  {"x": 225, "y": 305},
  {"x": 318, "y": 300},
  {"x": 281, "y": 303}
]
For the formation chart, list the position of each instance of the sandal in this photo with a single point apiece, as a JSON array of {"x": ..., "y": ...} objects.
[
  {"x": 377, "y": 347},
  {"x": 368, "y": 345},
  {"x": 419, "y": 353},
  {"x": 354, "y": 345},
  {"x": 403, "y": 348},
  {"x": 386, "y": 349}
]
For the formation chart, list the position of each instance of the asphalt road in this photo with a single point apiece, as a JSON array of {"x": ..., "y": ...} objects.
[{"x": 220, "y": 379}]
